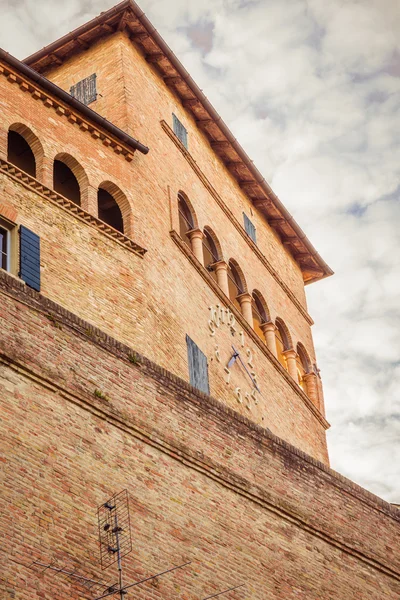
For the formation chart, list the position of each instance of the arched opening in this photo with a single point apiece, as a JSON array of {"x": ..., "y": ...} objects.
[
  {"x": 235, "y": 283},
  {"x": 303, "y": 366},
  {"x": 186, "y": 219},
  {"x": 109, "y": 211},
  {"x": 20, "y": 154},
  {"x": 282, "y": 341},
  {"x": 211, "y": 253},
  {"x": 260, "y": 316},
  {"x": 65, "y": 183}
]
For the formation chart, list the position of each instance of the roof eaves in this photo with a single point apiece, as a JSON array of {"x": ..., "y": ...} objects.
[{"x": 66, "y": 98}]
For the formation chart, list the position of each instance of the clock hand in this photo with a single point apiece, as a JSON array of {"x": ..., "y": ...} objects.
[
  {"x": 237, "y": 355},
  {"x": 233, "y": 359}
]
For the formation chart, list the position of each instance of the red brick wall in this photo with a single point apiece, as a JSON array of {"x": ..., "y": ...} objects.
[{"x": 206, "y": 484}]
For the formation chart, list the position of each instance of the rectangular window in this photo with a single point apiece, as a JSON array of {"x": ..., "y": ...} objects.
[
  {"x": 85, "y": 90},
  {"x": 29, "y": 256},
  {"x": 5, "y": 248},
  {"x": 180, "y": 131},
  {"x": 249, "y": 228},
  {"x": 198, "y": 368}
]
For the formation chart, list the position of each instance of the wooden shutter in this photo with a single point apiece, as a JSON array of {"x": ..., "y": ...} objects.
[
  {"x": 29, "y": 269},
  {"x": 180, "y": 130},
  {"x": 249, "y": 228},
  {"x": 198, "y": 368},
  {"x": 85, "y": 90}
]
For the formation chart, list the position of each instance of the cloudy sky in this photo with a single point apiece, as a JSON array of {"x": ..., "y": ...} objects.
[{"x": 311, "y": 88}]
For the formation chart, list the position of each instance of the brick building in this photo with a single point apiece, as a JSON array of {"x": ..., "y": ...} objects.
[{"x": 155, "y": 337}]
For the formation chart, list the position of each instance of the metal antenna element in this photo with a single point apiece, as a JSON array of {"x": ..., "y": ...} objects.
[
  {"x": 131, "y": 585},
  {"x": 114, "y": 530},
  {"x": 225, "y": 591},
  {"x": 115, "y": 543},
  {"x": 115, "y": 533}
]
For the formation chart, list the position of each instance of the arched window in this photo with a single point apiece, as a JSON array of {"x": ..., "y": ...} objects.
[
  {"x": 186, "y": 220},
  {"x": 282, "y": 340},
  {"x": 109, "y": 211},
  {"x": 20, "y": 154},
  {"x": 235, "y": 283},
  {"x": 260, "y": 316},
  {"x": 65, "y": 182},
  {"x": 303, "y": 366},
  {"x": 211, "y": 253}
]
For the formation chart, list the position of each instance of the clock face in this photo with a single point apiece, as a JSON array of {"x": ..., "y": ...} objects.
[{"x": 235, "y": 360}]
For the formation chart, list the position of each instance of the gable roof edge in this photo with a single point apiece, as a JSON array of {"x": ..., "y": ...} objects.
[{"x": 256, "y": 188}]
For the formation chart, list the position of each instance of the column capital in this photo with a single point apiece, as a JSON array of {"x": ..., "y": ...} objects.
[
  {"x": 220, "y": 265},
  {"x": 290, "y": 353},
  {"x": 310, "y": 376},
  {"x": 195, "y": 233},
  {"x": 267, "y": 326},
  {"x": 244, "y": 297}
]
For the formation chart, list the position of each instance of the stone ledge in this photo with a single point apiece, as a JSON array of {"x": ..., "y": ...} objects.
[
  {"x": 33, "y": 184},
  {"x": 62, "y": 110}
]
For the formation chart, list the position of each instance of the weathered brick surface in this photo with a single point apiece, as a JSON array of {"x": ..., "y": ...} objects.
[{"x": 206, "y": 484}]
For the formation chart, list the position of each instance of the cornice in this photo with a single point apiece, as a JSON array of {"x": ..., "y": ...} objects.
[
  {"x": 74, "y": 117},
  {"x": 249, "y": 330},
  {"x": 207, "y": 184},
  {"x": 46, "y": 193}
]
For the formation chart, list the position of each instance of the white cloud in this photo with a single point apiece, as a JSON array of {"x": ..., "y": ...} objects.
[{"x": 312, "y": 91}]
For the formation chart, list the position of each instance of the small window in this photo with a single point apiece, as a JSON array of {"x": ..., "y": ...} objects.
[
  {"x": 29, "y": 257},
  {"x": 85, "y": 90},
  {"x": 249, "y": 228},
  {"x": 5, "y": 247},
  {"x": 180, "y": 131},
  {"x": 198, "y": 367}
]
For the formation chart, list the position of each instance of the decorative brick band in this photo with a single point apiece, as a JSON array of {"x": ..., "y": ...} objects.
[
  {"x": 73, "y": 116},
  {"x": 235, "y": 222},
  {"x": 240, "y": 426},
  {"x": 34, "y": 185},
  {"x": 245, "y": 325}
]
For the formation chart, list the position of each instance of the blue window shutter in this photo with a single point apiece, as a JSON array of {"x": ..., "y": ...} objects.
[
  {"x": 198, "y": 368},
  {"x": 179, "y": 130},
  {"x": 29, "y": 256},
  {"x": 249, "y": 228},
  {"x": 85, "y": 90}
]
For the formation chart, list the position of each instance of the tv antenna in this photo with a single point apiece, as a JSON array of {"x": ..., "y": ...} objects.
[{"x": 115, "y": 542}]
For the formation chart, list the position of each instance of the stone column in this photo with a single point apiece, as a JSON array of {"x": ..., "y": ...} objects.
[
  {"x": 245, "y": 305},
  {"x": 290, "y": 356},
  {"x": 196, "y": 240},
  {"x": 221, "y": 271},
  {"x": 268, "y": 330},
  {"x": 312, "y": 388}
]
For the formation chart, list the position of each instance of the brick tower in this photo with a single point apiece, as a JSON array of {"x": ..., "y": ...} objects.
[{"x": 155, "y": 337}]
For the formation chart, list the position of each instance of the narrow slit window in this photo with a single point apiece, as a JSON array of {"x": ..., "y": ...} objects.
[
  {"x": 85, "y": 90},
  {"x": 249, "y": 228},
  {"x": 180, "y": 131}
]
